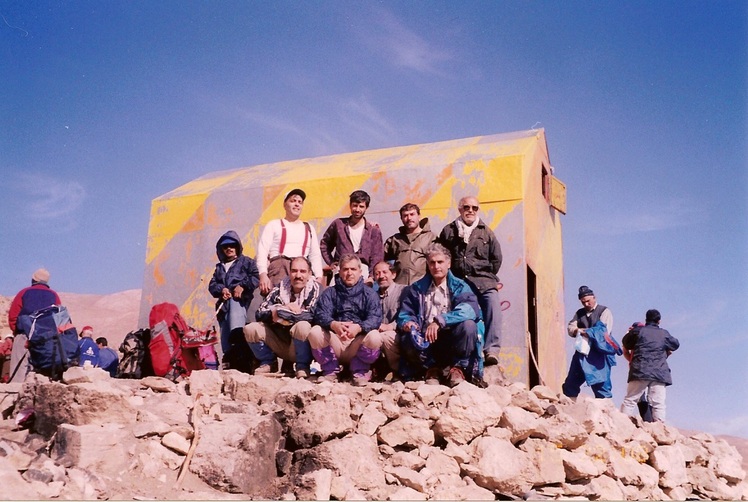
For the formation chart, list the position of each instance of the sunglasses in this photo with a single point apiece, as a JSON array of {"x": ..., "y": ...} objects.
[{"x": 468, "y": 208}]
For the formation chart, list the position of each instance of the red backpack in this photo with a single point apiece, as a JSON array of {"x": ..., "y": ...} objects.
[{"x": 170, "y": 358}]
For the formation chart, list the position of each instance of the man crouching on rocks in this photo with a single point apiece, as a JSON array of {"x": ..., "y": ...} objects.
[
  {"x": 284, "y": 321},
  {"x": 347, "y": 318},
  {"x": 440, "y": 325}
]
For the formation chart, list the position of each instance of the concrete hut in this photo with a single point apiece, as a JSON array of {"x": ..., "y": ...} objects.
[{"x": 510, "y": 173}]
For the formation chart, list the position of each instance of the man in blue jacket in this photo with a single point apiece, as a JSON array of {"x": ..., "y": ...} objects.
[
  {"x": 347, "y": 320},
  {"x": 593, "y": 367},
  {"x": 440, "y": 325},
  {"x": 233, "y": 283},
  {"x": 649, "y": 370}
]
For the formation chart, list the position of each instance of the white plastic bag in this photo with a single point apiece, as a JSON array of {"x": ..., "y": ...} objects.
[{"x": 582, "y": 344}]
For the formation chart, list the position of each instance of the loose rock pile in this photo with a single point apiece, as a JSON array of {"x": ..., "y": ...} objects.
[{"x": 244, "y": 436}]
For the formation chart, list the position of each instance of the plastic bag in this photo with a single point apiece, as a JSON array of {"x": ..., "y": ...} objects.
[{"x": 582, "y": 344}]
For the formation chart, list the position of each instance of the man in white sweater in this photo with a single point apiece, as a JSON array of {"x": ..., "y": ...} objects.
[{"x": 284, "y": 239}]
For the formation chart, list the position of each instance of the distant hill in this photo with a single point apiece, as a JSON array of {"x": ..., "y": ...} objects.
[{"x": 111, "y": 316}]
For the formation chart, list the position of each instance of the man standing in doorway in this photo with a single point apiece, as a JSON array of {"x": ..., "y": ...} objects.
[
  {"x": 407, "y": 248},
  {"x": 476, "y": 258}
]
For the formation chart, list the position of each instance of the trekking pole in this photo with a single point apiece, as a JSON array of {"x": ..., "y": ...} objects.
[{"x": 18, "y": 365}]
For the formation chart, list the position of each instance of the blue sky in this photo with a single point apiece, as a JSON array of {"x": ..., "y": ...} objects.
[{"x": 106, "y": 105}]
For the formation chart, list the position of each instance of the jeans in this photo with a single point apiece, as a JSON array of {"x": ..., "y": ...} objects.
[
  {"x": 236, "y": 317},
  {"x": 490, "y": 304},
  {"x": 655, "y": 396}
]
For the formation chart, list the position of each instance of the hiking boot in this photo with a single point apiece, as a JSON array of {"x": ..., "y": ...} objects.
[
  {"x": 433, "y": 376},
  {"x": 265, "y": 369},
  {"x": 302, "y": 373},
  {"x": 361, "y": 379},
  {"x": 456, "y": 377},
  {"x": 491, "y": 359}
]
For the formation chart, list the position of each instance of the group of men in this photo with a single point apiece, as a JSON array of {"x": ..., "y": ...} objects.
[
  {"x": 435, "y": 301},
  {"x": 645, "y": 345}
]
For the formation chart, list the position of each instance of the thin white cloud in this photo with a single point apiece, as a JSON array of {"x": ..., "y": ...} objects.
[
  {"x": 644, "y": 216},
  {"x": 361, "y": 116},
  {"x": 402, "y": 46},
  {"x": 47, "y": 198}
]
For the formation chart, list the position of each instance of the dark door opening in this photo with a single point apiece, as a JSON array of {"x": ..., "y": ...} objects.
[{"x": 533, "y": 360}]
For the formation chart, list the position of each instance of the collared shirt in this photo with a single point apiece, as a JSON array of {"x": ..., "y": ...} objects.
[{"x": 436, "y": 301}]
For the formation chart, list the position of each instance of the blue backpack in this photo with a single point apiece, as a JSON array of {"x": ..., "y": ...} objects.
[{"x": 53, "y": 340}]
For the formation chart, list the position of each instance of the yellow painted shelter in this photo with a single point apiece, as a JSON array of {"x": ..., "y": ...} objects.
[{"x": 509, "y": 173}]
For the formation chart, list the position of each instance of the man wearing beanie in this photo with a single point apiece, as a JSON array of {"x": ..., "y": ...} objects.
[
  {"x": 36, "y": 297},
  {"x": 651, "y": 345},
  {"x": 593, "y": 367}
]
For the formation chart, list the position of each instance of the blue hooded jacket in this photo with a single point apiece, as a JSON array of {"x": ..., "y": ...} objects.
[
  {"x": 358, "y": 303},
  {"x": 243, "y": 272}
]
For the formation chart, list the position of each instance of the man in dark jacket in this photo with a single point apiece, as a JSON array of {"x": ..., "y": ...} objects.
[
  {"x": 476, "y": 258},
  {"x": 233, "y": 283},
  {"x": 354, "y": 235},
  {"x": 649, "y": 370},
  {"x": 407, "y": 248},
  {"x": 284, "y": 321},
  {"x": 440, "y": 325},
  {"x": 347, "y": 320},
  {"x": 36, "y": 297}
]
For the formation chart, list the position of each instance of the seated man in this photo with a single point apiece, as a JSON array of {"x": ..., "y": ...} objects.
[
  {"x": 108, "y": 358},
  {"x": 88, "y": 351},
  {"x": 284, "y": 321},
  {"x": 389, "y": 296},
  {"x": 346, "y": 320},
  {"x": 440, "y": 325}
]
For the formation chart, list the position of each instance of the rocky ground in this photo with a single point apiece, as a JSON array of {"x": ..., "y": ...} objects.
[{"x": 235, "y": 436}]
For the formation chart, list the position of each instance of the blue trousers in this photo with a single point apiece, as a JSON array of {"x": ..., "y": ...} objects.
[
  {"x": 490, "y": 305},
  {"x": 236, "y": 317},
  {"x": 574, "y": 380}
]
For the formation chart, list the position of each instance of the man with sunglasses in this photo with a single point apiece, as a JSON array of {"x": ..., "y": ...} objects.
[{"x": 476, "y": 258}]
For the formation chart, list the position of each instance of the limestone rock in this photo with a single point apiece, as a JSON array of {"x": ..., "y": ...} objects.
[
  {"x": 498, "y": 466},
  {"x": 238, "y": 454},
  {"x": 407, "y": 431},
  {"x": 467, "y": 415},
  {"x": 321, "y": 420},
  {"x": 206, "y": 383},
  {"x": 520, "y": 422},
  {"x": 159, "y": 384}
]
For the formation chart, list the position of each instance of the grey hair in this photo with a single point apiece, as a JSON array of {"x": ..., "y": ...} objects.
[{"x": 437, "y": 248}]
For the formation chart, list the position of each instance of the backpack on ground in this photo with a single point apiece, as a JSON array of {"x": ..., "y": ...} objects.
[
  {"x": 52, "y": 340},
  {"x": 208, "y": 356},
  {"x": 135, "y": 361},
  {"x": 169, "y": 357}
]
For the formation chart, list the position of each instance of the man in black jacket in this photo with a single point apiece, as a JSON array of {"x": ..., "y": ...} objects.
[
  {"x": 476, "y": 258},
  {"x": 649, "y": 371}
]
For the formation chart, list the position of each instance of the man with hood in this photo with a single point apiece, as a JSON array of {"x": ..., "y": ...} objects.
[
  {"x": 233, "y": 284},
  {"x": 284, "y": 321},
  {"x": 347, "y": 320},
  {"x": 407, "y": 248},
  {"x": 36, "y": 297},
  {"x": 440, "y": 327}
]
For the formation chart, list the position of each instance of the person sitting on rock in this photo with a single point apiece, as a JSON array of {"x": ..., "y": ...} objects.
[
  {"x": 108, "y": 358},
  {"x": 440, "y": 326},
  {"x": 88, "y": 351},
  {"x": 347, "y": 319},
  {"x": 284, "y": 321},
  {"x": 233, "y": 283},
  {"x": 389, "y": 295}
]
